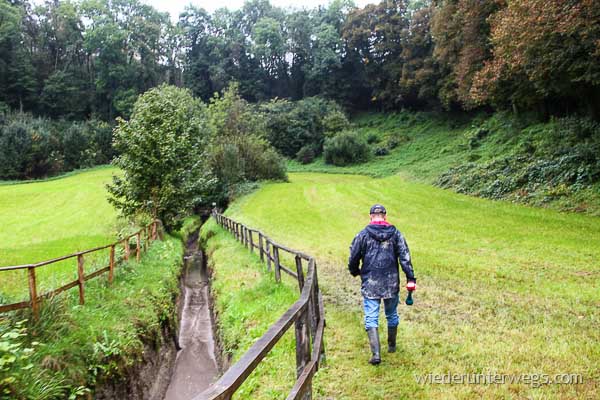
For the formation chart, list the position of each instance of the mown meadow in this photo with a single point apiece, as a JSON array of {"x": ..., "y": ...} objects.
[
  {"x": 502, "y": 288},
  {"x": 42, "y": 220}
]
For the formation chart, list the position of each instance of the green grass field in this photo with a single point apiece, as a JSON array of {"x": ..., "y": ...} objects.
[
  {"x": 47, "y": 219},
  {"x": 501, "y": 288}
]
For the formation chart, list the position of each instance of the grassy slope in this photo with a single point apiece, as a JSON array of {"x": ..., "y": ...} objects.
[
  {"x": 46, "y": 219},
  {"x": 248, "y": 301},
  {"x": 431, "y": 144},
  {"x": 106, "y": 336},
  {"x": 502, "y": 287},
  {"x": 428, "y": 145}
]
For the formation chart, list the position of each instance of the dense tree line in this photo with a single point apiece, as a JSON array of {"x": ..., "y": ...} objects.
[{"x": 76, "y": 59}]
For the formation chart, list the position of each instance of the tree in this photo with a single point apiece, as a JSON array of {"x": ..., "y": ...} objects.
[
  {"x": 163, "y": 156},
  {"x": 460, "y": 30},
  {"x": 420, "y": 72},
  {"x": 375, "y": 32},
  {"x": 543, "y": 50}
]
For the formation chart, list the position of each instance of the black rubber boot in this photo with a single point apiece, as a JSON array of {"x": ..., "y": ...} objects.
[
  {"x": 392, "y": 332},
  {"x": 373, "y": 335}
]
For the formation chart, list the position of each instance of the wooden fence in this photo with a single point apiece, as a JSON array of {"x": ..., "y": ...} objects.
[
  {"x": 306, "y": 313},
  {"x": 149, "y": 233}
]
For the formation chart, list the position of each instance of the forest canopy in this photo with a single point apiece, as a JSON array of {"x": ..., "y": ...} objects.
[{"x": 92, "y": 58}]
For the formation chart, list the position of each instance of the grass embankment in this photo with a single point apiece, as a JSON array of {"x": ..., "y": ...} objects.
[
  {"x": 78, "y": 347},
  {"x": 47, "y": 219},
  {"x": 502, "y": 288},
  {"x": 103, "y": 338},
  {"x": 549, "y": 164},
  {"x": 247, "y": 302}
]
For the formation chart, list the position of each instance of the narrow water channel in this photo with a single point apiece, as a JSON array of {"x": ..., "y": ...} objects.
[{"x": 196, "y": 365}]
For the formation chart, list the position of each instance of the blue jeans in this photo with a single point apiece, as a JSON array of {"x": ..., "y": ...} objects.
[{"x": 371, "y": 307}]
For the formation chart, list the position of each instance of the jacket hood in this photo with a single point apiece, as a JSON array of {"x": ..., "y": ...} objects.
[{"x": 381, "y": 232}]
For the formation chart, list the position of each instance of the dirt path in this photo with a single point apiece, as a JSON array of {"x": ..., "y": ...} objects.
[{"x": 196, "y": 365}]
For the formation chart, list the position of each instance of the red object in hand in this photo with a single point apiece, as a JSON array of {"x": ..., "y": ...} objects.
[{"x": 410, "y": 286}]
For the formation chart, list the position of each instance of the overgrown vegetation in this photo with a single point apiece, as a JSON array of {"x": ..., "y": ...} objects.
[
  {"x": 550, "y": 162},
  {"x": 247, "y": 301},
  {"x": 77, "y": 347},
  {"x": 38, "y": 147},
  {"x": 177, "y": 154},
  {"x": 239, "y": 152}
]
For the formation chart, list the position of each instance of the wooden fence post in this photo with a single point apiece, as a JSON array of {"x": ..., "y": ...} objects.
[
  {"x": 154, "y": 233},
  {"x": 80, "y": 278},
  {"x": 33, "y": 293},
  {"x": 251, "y": 240},
  {"x": 277, "y": 264},
  {"x": 268, "y": 256},
  {"x": 300, "y": 272},
  {"x": 137, "y": 247},
  {"x": 260, "y": 246},
  {"x": 147, "y": 239},
  {"x": 111, "y": 264},
  {"x": 126, "y": 248},
  {"x": 303, "y": 349}
]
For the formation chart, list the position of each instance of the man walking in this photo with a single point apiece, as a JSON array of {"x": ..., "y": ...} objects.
[{"x": 380, "y": 246}]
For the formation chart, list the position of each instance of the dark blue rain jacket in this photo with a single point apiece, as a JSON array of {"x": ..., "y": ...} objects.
[{"x": 380, "y": 247}]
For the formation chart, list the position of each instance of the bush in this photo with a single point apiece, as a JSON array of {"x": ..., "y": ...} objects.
[
  {"x": 293, "y": 125},
  {"x": 36, "y": 147},
  {"x": 381, "y": 151},
  {"x": 372, "y": 138},
  {"x": 306, "y": 154},
  {"x": 238, "y": 153},
  {"x": 335, "y": 120},
  {"x": 345, "y": 148}
]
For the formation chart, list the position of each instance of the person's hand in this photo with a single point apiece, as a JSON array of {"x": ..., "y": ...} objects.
[{"x": 411, "y": 286}]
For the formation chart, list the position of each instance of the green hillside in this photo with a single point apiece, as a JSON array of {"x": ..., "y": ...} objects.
[
  {"x": 502, "y": 288},
  {"x": 552, "y": 164},
  {"x": 51, "y": 219}
]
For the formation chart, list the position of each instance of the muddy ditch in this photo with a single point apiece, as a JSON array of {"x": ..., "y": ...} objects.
[
  {"x": 185, "y": 358},
  {"x": 197, "y": 364}
]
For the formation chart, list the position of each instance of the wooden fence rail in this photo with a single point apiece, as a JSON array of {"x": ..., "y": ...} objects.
[
  {"x": 149, "y": 232},
  {"x": 307, "y": 314}
]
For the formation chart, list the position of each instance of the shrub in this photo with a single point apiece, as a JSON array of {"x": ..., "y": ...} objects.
[
  {"x": 381, "y": 151},
  {"x": 306, "y": 154},
  {"x": 345, "y": 148},
  {"x": 372, "y": 138},
  {"x": 238, "y": 153},
  {"x": 36, "y": 147},
  {"x": 335, "y": 120},
  {"x": 293, "y": 125},
  {"x": 75, "y": 142}
]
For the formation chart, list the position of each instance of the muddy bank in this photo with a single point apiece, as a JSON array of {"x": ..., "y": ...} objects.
[
  {"x": 148, "y": 379},
  {"x": 196, "y": 365}
]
